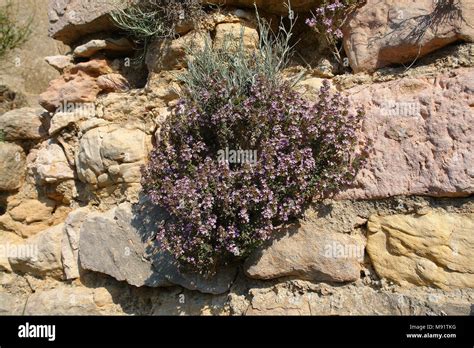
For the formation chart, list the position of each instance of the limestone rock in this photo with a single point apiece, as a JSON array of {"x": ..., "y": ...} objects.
[
  {"x": 23, "y": 69},
  {"x": 27, "y": 223},
  {"x": 62, "y": 301},
  {"x": 31, "y": 211},
  {"x": 114, "y": 46},
  {"x": 421, "y": 129},
  {"x": 108, "y": 246},
  {"x": 104, "y": 147},
  {"x": 113, "y": 83},
  {"x": 11, "y": 100},
  {"x": 42, "y": 254},
  {"x": 22, "y": 124},
  {"x": 8, "y": 246},
  {"x": 51, "y": 165},
  {"x": 63, "y": 119},
  {"x": 70, "y": 242},
  {"x": 128, "y": 108},
  {"x": 385, "y": 32},
  {"x": 163, "y": 86},
  {"x": 233, "y": 31},
  {"x": 114, "y": 243},
  {"x": 171, "y": 54},
  {"x": 270, "y": 6},
  {"x": 429, "y": 250},
  {"x": 63, "y": 192},
  {"x": 93, "y": 67},
  {"x": 72, "y": 19},
  {"x": 77, "y": 85},
  {"x": 60, "y": 62},
  {"x": 79, "y": 88},
  {"x": 310, "y": 87},
  {"x": 12, "y": 166},
  {"x": 11, "y": 305},
  {"x": 301, "y": 298},
  {"x": 309, "y": 253}
]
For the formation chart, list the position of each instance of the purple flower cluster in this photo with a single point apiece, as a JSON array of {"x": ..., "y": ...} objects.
[
  {"x": 221, "y": 211},
  {"x": 327, "y": 18}
]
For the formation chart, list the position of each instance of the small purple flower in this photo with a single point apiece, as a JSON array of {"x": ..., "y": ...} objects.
[{"x": 311, "y": 22}]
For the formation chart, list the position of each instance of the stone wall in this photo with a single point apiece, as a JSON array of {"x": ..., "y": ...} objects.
[
  {"x": 74, "y": 223},
  {"x": 23, "y": 70}
]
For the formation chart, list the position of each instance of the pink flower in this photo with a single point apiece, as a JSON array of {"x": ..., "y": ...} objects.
[{"x": 311, "y": 22}]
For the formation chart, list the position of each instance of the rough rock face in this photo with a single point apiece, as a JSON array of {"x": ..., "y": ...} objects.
[
  {"x": 71, "y": 19},
  {"x": 70, "y": 242},
  {"x": 422, "y": 137},
  {"x": 112, "y": 154},
  {"x": 119, "y": 46},
  {"x": 40, "y": 255},
  {"x": 233, "y": 31},
  {"x": 164, "y": 55},
  {"x": 271, "y": 6},
  {"x": 432, "y": 250},
  {"x": 77, "y": 85},
  {"x": 385, "y": 32},
  {"x": 74, "y": 240},
  {"x": 8, "y": 240},
  {"x": 12, "y": 166},
  {"x": 59, "y": 62},
  {"x": 308, "y": 252},
  {"x": 171, "y": 54},
  {"x": 63, "y": 119},
  {"x": 23, "y": 70},
  {"x": 115, "y": 243},
  {"x": 113, "y": 83},
  {"x": 22, "y": 124},
  {"x": 30, "y": 216},
  {"x": 10, "y": 100},
  {"x": 51, "y": 165},
  {"x": 62, "y": 301},
  {"x": 10, "y": 304},
  {"x": 300, "y": 298},
  {"x": 122, "y": 254}
]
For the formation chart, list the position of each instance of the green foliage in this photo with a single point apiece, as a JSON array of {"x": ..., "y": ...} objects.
[
  {"x": 238, "y": 66},
  {"x": 146, "y": 20},
  {"x": 11, "y": 34}
]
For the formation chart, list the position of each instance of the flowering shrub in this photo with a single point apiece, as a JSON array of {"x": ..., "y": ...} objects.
[
  {"x": 220, "y": 210},
  {"x": 328, "y": 19},
  {"x": 243, "y": 153}
]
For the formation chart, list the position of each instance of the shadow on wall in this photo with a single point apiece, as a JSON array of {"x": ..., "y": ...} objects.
[
  {"x": 444, "y": 13},
  {"x": 3, "y": 204}
]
